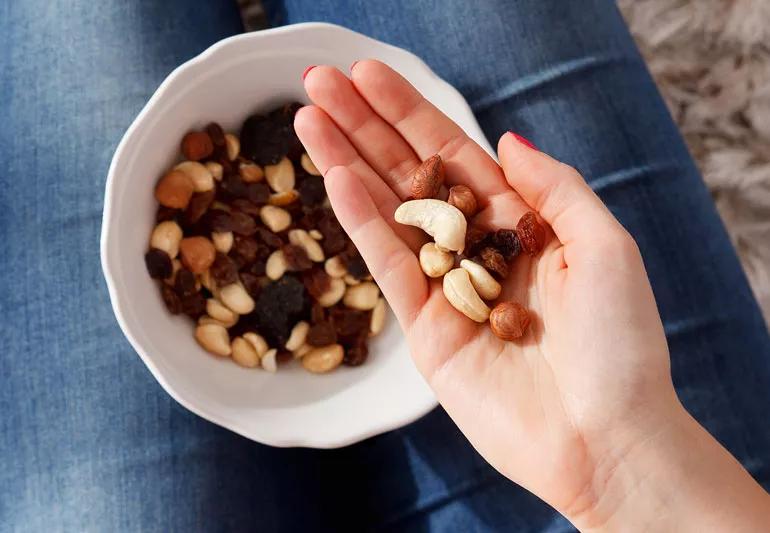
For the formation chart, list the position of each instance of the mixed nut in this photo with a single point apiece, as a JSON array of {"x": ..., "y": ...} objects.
[
  {"x": 246, "y": 244},
  {"x": 484, "y": 256}
]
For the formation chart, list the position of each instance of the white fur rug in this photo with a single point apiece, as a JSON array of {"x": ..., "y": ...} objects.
[{"x": 711, "y": 60}]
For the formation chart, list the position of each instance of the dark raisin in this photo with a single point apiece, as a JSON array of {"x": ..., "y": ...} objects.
[
  {"x": 317, "y": 313},
  {"x": 269, "y": 238},
  {"x": 335, "y": 239},
  {"x": 198, "y": 205},
  {"x": 243, "y": 224},
  {"x": 507, "y": 242},
  {"x": 278, "y": 307},
  {"x": 257, "y": 193},
  {"x": 264, "y": 139},
  {"x": 218, "y": 220},
  {"x": 296, "y": 258},
  {"x": 356, "y": 355},
  {"x": 232, "y": 187},
  {"x": 349, "y": 322},
  {"x": 256, "y": 268},
  {"x": 312, "y": 191},
  {"x": 475, "y": 239},
  {"x": 184, "y": 283},
  {"x": 165, "y": 213},
  {"x": 251, "y": 283},
  {"x": 310, "y": 218},
  {"x": 158, "y": 263},
  {"x": 494, "y": 262},
  {"x": 245, "y": 250},
  {"x": 223, "y": 270},
  {"x": 321, "y": 334},
  {"x": 217, "y": 135},
  {"x": 194, "y": 305},
  {"x": 356, "y": 265},
  {"x": 171, "y": 299},
  {"x": 317, "y": 282},
  {"x": 283, "y": 357},
  {"x": 245, "y": 206}
]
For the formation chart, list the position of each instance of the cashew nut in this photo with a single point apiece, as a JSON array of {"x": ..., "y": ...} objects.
[
  {"x": 258, "y": 342},
  {"x": 275, "y": 218},
  {"x": 334, "y": 294},
  {"x": 335, "y": 267},
  {"x": 275, "y": 267},
  {"x": 323, "y": 359},
  {"x": 297, "y": 336},
  {"x": 459, "y": 291},
  {"x": 363, "y": 296},
  {"x": 268, "y": 360},
  {"x": 434, "y": 261},
  {"x": 486, "y": 286},
  {"x": 236, "y": 298},
  {"x": 223, "y": 241},
  {"x": 444, "y": 222},
  {"x": 280, "y": 176},
  {"x": 377, "y": 320},
  {"x": 244, "y": 353},
  {"x": 301, "y": 238},
  {"x": 214, "y": 339}
]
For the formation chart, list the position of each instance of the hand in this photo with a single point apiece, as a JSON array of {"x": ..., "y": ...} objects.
[{"x": 560, "y": 410}]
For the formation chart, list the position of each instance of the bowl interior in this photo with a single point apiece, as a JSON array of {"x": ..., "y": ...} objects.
[{"x": 234, "y": 78}]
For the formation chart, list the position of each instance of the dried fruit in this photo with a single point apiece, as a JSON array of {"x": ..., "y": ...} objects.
[
  {"x": 158, "y": 263},
  {"x": 269, "y": 238},
  {"x": 531, "y": 234},
  {"x": 194, "y": 305},
  {"x": 357, "y": 354},
  {"x": 245, "y": 206},
  {"x": 476, "y": 239},
  {"x": 321, "y": 334},
  {"x": 243, "y": 224},
  {"x": 317, "y": 282},
  {"x": 246, "y": 250},
  {"x": 311, "y": 191},
  {"x": 428, "y": 178},
  {"x": 349, "y": 322},
  {"x": 165, "y": 213},
  {"x": 257, "y": 193},
  {"x": 507, "y": 242},
  {"x": 171, "y": 299},
  {"x": 197, "y": 206},
  {"x": 251, "y": 283},
  {"x": 355, "y": 264},
  {"x": 174, "y": 190},
  {"x": 223, "y": 270},
  {"x": 217, "y": 136},
  {"x": 296, "y": 258},
  {"x": 509, "y": 320},
  {"x": 184, "y": 283},
  {"x": 197, "y": 145},
  {"x": 494, "y": 262}
]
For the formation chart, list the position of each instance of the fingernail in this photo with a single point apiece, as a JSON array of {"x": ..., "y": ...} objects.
[
  {"x": 524, "y": 140},
  {"x": 352, "y": 65},
  {"x": 308, "y": 69}
]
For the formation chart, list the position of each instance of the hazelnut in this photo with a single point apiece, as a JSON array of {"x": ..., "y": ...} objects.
[
  {"x": 233, "y": 146},
  {"x": 197, "y": 145},
  {"x": 463, "y": 199},
  {"x": 509, "y": 320},
  {"x": 250, "y": 173},
  {"x": 428, "y": 178},
  {"x": 174, "y": 190},
  {"x": 197, "y": 253},
  {"x": 309, "y": 166}
]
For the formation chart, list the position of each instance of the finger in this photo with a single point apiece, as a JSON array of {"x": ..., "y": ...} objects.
[
  {"x": 387, "y": 153},
  {"x": 328, "y": 147},
  {"x": 558, "y": 193},
  {"x": 392, "y": 264}
]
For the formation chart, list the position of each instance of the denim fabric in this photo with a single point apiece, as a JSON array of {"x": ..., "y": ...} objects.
[{"x": 90, "y": 442}]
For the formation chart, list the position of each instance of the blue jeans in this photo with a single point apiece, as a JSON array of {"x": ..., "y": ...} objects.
[{"x": 90, "y": 442}]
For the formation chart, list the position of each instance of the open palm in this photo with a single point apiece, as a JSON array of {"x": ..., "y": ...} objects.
[{"x": 551, "y": 410}]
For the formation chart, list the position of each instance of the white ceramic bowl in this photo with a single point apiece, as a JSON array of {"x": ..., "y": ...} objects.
[{"x": 230, "y": 80}]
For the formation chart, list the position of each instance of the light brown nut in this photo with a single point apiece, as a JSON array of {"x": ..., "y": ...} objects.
[
  {"x": 317, "y": 235},
  {"x": 301, "y": 238},
  {"x": 244, "y": 353},
  {"x": 459, "y": 292},
  {"x": 280, "y": 176},
  {"x": 216, "y": 170},
  {"x": 214, "y": 339},
  {"x": 362, "y": 297},
  {"x": 323, "y": 359},
  {"x": 350, "y": 280},
  {"x": 487, "y": 286},
  {"x": 335, "y": 267},
  {"x": 250, "y": 173},
  {"x": 167, "y": 236},
  {"x": 236, "y": 298},
  {"x": 275, "y": 218},
  {"x": 509, "y": 320},
  {"x": 276, "y": 265},
  {"x": 206, "y": 319},
  {"x": 434, "y": 261},
  {"x": 174, "y": 190},
  {"x": 257, "y": 342},
  {"x": 176, "y": 264},
  {"x": 297, "y": 336},
  {"x": 233, "y": 146},
  {"x": 462, "y": 198},
  {"x": 223, "y": 241},
  {"x": 377, "y": 320},
  {"x": 197, "y": 253},
  {"x": 269, "y": 361},
  {"x": 444, "y": 222},
  {"x": 334, "y": 294},
  {"x": 218, "y": 311},
  {"x": 201, "y": 177},
  {"x": 309, "y": 166},
  {"x": 281, "y": 199},
  {"x": 197, "y": 145},
  {"x": 428, "y": 178},
  {"x": 300, "y": 352}
]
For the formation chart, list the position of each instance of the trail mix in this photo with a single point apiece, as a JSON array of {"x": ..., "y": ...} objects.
[
  {"x": 247, "y": 245},
  {"x": 483, "y": 256}
]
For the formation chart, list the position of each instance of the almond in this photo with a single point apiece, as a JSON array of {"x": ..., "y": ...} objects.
[{"x": 428, "y": 178}]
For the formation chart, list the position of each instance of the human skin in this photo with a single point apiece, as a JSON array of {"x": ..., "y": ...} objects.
[{"x": 582, "y": 410}]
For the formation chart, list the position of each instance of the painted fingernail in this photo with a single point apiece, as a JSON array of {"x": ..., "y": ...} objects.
[
  {"x": 308, "y": 69},
  {"x": 523, "y": 140},
  {"x": 353, "y": 65}
]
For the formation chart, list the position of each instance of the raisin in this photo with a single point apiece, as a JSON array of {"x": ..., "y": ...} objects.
[
  {"x": 317, "y": 282},
  {"x": 232, "y": 187},
  {"x": 217, "y": 135},
  {"x": 531, "y": 234},
  {"x": 277, "y": 308},
  {"x": 494, "y": 262},
  {"x": 507, "y": 242},
  {"x": 321, "y": 334},
  {"x": 245, "y": 250},
  {"x": 256, "y": 268},
  {"x": 269, "y": 238},
  {"x": 223, "y": 270},
  {"x": 218, "y": 220},
  {"x": 264, "y": 139},
  {"x": 158, "y": 263},
  {"x": 171, "y": 299},
  {"x": 356, "y": 355},
  {"x": 245, "y": 206},
  {"x": 165, "y": 213},
  {"x": 311, "y": 191},
  {"x": 243, "y": 224},
  {"x": 283, "y": 356},
  {"x": 355, "y": 264},
  {"x": 475, "y": 240},
  {"x": 257, "y": 193},
  {"x": 296, "y": 258},
  {"x": 317, "y": 313},
  {"x": 349, "y": 322},
  {"x": 251, "y": 283},
  {"x": 194, "y": 305},
  {"x": 184, "y": 283},
  {"x": 198, "y": 205},
  {"x": 335, "y": 239}
]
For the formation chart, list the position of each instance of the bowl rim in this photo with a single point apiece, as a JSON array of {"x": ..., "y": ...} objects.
[{"x": 119, "y": 301}]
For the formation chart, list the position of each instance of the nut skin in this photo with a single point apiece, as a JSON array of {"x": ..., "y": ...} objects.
[
  {"x": 428, "y": 178},
  {"x": 197, "y": 145},
  {"x": 531, "y": 233},
  {"x": 463, "y": 199},
  {"x": 459, "y": 292},
  {"x": 509, "y": 320},
  {"x": 435, "y": 262},
  {"x": 174, "y": 190},
  {"x": 198, "y": 253},
  {"x": 444, "y": 222},
  {"x": 323, "y": 359}
]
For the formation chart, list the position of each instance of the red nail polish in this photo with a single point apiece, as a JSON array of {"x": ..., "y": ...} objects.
[
  {"x": 308, "y": 69},
  {"x": 523, "y": 140}
]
